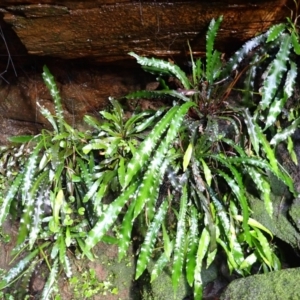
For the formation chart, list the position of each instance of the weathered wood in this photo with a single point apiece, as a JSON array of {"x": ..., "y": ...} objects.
[{"x": 107, "y": 31}]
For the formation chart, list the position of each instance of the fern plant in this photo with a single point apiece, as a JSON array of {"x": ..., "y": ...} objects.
[
  {"x": 183, "y": 173},
  {"x": 57, "y": 182},
  {"x": 201, "y": 149},
  {"x": 46, "y": 189}
]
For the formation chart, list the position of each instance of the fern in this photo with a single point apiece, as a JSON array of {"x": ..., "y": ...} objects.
[
  {"x": 179, "y": 241},
  {"x": 52, "y": 87},
  {"x": 162, "y": 67},
  {"x": 212, "y": 56},
  {"x": 277, "y": 68},
  {"x": 150, "y": 238}
]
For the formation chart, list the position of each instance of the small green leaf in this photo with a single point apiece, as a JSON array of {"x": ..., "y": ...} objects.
[
  {"x": 249, "y": 261},
  {"x": 20, "y": 139},
  {"x": 275, "y": 31},
  {"x": 295, "y": 41},
  {"x": 187, "y": 156},
  {"x": 207, "y": 172},
  {"x": 202, "y": 250}
]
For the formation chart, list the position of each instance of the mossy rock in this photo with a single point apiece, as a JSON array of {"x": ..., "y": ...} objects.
[{"x": 279, "y": 285}]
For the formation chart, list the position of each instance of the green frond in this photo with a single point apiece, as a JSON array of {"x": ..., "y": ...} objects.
[
  {"x": 263, "y": 248},
  {"x": 212, "y": 56},
  {"x": 270, "y": 153},
  {"x": 263, "y": 186},
  {"x": 295, "y": 42},
  {"x": 93, "y": 122},
  {"x": 290, "y": 80},
  {"x": 180, "y": 240},
  {"x": 242, "y": 53},
  {"x": 126, "y": 229},
  {"x": 159, "y": 266},
  {"x": 20, "y": 267},
  {"x": 51, "y": 85},
  {"x": 41, "y": 195},
  {"x": 108, "y": 218},
  {"x": 29, "y": 173},
  {"x": 21, "y": 139},
  {"x": 238, "y": 189},
  {"x": 160, "y": 67},
  {"x": 47, "y": 114},
  {"x": 278, "y": 67},
  {"x": 193, "y": 239},
  {"x": 150, "y": 184},
  {"x": 275, "y": 31},
  {"x": 150, "y": 239},
  {"x": 285, "y": 133},
  {"x": 10, "y": 195},
  {"x": 201, "y": 252},
  {"x": 250, "y": 76},
  {"x": 248, "y": 262},
  {"x": 149, "y": 121},
  {"x": 51, "y": 281},
  {"x": 161, "y": 94},
  {"x": 278, "y": 104},
  {"x": 172, "y": 119}
]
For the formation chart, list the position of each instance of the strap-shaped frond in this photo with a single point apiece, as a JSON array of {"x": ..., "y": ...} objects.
[
  {"x": 264, "y": 187},
  {"x": 159, "y": 266},
  {"x": 19, "y": 268},
  {"x": 174, "y": 116},
  {"x": 285, "y": 133},
  {"x": 50, "y": 283},
  {"x": 179, "y": 248},
  {"x": 278, "y": 67},
  {"x": 40, "y": 193},
  {"x": 109, "y": 217},
  {"x": 237, "y": 186},
  {"x": 212, "y": 57},
  {"x": 278, "y": 104},
  {"x": 231, "y": 241},
  {"x": 242, "y": 53},
  {"x": 250, "y": 123},
  {"x": 51, "y": 85},
  {"x": 150, "y": 183},
  {"x": 295, "y": 41},
  {"x": 161, "y": 94},
  {"x": 150, "y": 239},
  {"x": 159, "y": 66},
  {"x": 10, "y": 195},
  {"x": 125, "y": 231},
  {"x": 201, "y": 252},
  {"x": 193, "y": 239}
]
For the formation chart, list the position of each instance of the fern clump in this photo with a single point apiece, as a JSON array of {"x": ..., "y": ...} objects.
[
  {"x": 182, "y": 174},
  {"x": 208, "y": 164}
]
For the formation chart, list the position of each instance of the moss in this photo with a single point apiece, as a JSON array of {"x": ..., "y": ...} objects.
[{"x": 279, "y": 285}]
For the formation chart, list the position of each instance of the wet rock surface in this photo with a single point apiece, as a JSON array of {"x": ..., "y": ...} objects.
[{"x": 106, "y": 30}]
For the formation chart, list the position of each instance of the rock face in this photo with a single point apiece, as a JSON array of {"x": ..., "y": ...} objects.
[
  {"x": 106, "y": 30},
  {"x": 275, "y": 285},
  {"x": 83, "y": 92},
  {"x": 79, "y": 41}
]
